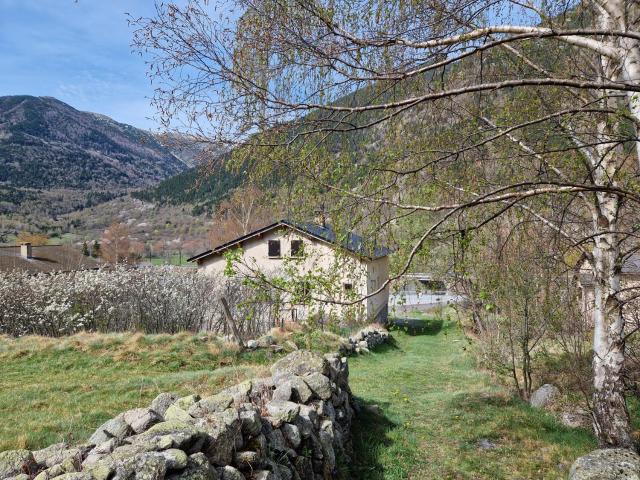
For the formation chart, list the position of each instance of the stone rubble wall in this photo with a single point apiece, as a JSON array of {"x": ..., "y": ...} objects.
[
  {"x": 294, "y": 425},
  {"x": 367, "y": 339},
  {"x": 360, "y": 342}
]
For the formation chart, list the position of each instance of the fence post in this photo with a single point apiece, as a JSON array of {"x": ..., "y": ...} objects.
[{"x": 231, "y": 322}]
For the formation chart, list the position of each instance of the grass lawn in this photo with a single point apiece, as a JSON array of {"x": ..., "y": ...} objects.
[
  {"x": 175, "y": 259},
  {"x": 438, "y": 408},
  {"x": 62, "y": 389},
  {"x": 54, "y": 390},
  {"x": 64, "y": 239}
]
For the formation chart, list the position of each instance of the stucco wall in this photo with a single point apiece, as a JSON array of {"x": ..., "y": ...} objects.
[
  {"x": 320, "y": 259},
  {"x": 629, "y": 285},
  {"x": 378, "y": 273}
]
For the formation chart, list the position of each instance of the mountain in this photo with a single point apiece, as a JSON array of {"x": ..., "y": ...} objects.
[
  {"x": 190, "y": 151},
  {"x": 202, "y": 190},
  {"x": 47, "y": 144}
]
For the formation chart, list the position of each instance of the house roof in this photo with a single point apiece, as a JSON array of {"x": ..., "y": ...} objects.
[
  {"x": 632, "y": 265},
  {"x": 352, "y": 242},
  {"x": 46, "y": 259}
]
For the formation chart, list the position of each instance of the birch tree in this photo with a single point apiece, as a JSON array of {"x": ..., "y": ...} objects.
[{"x": 292, "y": 83}]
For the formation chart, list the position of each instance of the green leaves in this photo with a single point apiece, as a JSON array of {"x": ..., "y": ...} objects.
[{"x": 232, "y": 256}]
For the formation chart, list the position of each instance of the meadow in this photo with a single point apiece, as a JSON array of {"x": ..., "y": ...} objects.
[
  {"x": 439, "y": 416},
  {"x": 430, "y": 412},
  {"x": 61, "y": 389}
]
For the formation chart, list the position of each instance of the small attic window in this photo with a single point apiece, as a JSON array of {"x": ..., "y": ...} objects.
[
  {"x": 348, "y": 286},
  {"x": 296, "y": 248},
  {"x": 274, "y": 248}
]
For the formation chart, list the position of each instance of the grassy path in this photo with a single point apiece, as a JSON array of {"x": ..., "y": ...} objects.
[{"x": 438, "y": 411}]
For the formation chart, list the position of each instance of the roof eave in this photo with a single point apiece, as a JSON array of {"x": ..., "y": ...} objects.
[
  {"x": 200, "y": 255},
  {"x": 226, "y": 246}
]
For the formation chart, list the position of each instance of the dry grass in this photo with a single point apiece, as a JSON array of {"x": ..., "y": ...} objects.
[
  {"x": 118, "y": 346},
  {"x": 54, "y": 390}
]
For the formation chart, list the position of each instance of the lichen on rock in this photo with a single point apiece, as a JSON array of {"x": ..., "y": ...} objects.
[{"x": 607, "y": 464}]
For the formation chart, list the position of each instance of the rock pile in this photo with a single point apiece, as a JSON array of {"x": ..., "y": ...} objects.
[
  {"x": 292, "y": 425},
  {"x": 367, "y": 339},
  {"x": 270, "y": 342}
]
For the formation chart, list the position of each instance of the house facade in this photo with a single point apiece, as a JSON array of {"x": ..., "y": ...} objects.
[
  {"x": 308, "y": 253},
  {"x": 629, "y": 286}
]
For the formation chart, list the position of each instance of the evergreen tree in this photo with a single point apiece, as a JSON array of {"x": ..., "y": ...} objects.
[
  {"x": 85, "y": 249},
  {"x": 96, "y": 249}
]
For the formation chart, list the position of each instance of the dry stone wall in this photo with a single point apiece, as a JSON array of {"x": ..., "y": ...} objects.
[
  {"x": 367, "y": 339},
  {"x": 363, "y": 341},
  {"x": 293, "y": 425}
]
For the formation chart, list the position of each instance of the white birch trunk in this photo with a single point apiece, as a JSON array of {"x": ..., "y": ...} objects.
[
  {"x": 631, "y": 74},
  {"x": 610, "y": 415}
]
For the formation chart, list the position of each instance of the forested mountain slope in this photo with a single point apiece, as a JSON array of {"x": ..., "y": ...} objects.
[
  {"x": 197, "y": 186},
  {"x": 47, "y": 144}
]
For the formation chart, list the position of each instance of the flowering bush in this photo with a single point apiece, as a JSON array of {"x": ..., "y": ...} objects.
[{"x": 150, "y": 300}]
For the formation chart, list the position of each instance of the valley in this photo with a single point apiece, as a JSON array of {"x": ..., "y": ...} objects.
[{"x": 70, "y": 175}]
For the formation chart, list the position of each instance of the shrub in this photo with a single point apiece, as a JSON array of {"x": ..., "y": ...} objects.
[{"x": 151, "y": 300}]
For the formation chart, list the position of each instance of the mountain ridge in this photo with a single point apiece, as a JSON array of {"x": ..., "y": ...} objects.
[
  {"x": 55, "y": 159},
  {"x": 46, "y": 144}
]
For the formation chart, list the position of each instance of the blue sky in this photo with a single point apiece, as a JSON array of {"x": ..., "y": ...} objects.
[{"x": 78, "y": 52}]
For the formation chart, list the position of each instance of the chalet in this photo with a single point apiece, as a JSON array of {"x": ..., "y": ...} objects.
[
  {"x": 355, "y": 268},
  {"x": 44, "y": 259}
]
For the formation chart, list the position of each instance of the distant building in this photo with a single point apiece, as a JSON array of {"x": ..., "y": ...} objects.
[
  {"x": 629, "y": 284},
  {"x": 359, "y": 269},
  {"x": 44, "y": 259},
  {"x": 421, "y": 292}
]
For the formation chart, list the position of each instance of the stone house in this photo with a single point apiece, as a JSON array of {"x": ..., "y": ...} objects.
[{"x": 290, "y": 249}]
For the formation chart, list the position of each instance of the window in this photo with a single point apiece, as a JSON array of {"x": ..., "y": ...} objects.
[
  {"x": 348, "y": 286},
  {"x": 296, "y": 248},
  {"x": 274, "y": 248}
]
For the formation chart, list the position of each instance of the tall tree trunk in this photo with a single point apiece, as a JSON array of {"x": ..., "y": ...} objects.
[
  {"x": 631, "y": 74},
  {"x": 610, "y": 415}
]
